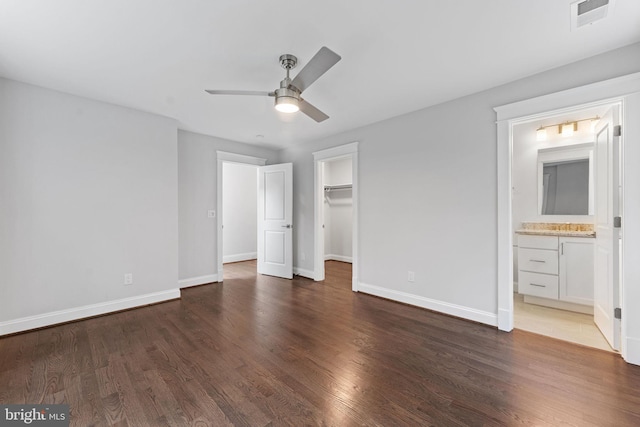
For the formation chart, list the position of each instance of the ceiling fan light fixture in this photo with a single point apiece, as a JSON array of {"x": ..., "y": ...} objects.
[{"x": 287, "y": 104}]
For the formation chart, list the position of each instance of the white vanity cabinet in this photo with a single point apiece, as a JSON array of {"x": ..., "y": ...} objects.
[
  {"x": 538, "y": 266},
  {"x": 556, "y": 268}
]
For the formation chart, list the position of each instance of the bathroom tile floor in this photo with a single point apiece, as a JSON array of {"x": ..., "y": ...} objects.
[{"x": 565, "y": 325}]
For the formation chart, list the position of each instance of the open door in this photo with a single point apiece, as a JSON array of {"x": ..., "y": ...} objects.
[
  {"x": 275, "y": 214},
  {"x": 607, "y": 251}
]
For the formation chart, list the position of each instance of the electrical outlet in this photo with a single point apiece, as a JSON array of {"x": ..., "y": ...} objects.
[
  {"x": 128, "y": 279},
  {"x": 211, "y": 214},
  {"x": 411, "y": 276}
]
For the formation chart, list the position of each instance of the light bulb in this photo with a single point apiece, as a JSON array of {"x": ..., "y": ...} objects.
[
  {"x": 287, "y": 104},
  {"x": 568, "y": 128}
]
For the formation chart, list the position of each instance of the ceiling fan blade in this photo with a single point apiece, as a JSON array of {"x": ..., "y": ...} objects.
[
  {"x": 240, "y": 92},
  {"x": 317, "y": 66},
  {"x": 312, "y": 111}
]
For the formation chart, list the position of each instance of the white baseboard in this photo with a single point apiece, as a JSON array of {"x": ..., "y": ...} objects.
[
  {"x": 334, "y": 257},
  {"x": 505, "y": 320},
  {"x": 77, "y": 313},
  {"x": 302, "y": 272},
  {"x": 561, "y": 305},
  {"x": 196, "y": 281},
  {"x": 631, "y": 351},
  {"x": 431, "y": 304},
  {"x": 240, "y": 257}
]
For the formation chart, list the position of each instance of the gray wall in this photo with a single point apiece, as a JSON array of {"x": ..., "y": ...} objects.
[
  {"x": 88, "y": 192},
  {"x": 428, "y": 197},
  {"x": 197, "y": 192}
]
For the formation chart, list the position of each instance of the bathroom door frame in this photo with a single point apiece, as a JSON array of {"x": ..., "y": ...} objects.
[{"x": 626, "y": 91}]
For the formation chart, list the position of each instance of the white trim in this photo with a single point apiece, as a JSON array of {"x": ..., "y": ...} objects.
[
  {"x": 77, "y": 313},
  {"x": 633, "y": 350},
  {"x": 431, "y": 304},
  {"x": 335, "y": 152},
  {"x": 196, "y": 281},
  {"x": 239, "y": 257},
  {"x": 302, "y": 272},
  {"x": 618, "y": 90},
  {"x": 341, "y": 258},
  {"x": 343, "y": 151},
  {"x": 222, "y": 157},
  {"x": 240, "y": 158},
  {"x": 583, "y": 96}
]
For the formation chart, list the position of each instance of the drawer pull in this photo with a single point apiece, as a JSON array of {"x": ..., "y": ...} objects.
[
  {"x": 539, "y": 286},
  {"x": 536, "y": 260}
]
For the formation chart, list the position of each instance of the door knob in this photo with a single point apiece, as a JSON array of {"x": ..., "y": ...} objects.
[{"x": 286, "y": 226}]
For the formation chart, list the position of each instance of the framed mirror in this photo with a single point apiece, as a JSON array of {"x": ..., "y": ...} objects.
[{"x": 565, "y": 180}]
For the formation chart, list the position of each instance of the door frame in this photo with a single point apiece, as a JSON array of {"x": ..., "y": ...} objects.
[
  {"x": 226, "y": 157},
  {"x": 626, "y": 91},
  {"x": 319, "y": 157}
]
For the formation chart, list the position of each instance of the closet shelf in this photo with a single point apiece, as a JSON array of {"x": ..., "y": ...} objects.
[{"x": 337, "y": 187}]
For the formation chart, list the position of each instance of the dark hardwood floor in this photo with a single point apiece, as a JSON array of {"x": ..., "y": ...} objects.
[{"x": 257, "y": 351}]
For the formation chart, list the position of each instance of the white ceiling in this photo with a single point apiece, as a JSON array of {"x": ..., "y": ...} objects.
[{"x": 397, "y": 56}]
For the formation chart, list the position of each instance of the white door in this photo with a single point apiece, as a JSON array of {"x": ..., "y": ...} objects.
[
  {"x": 275, "y": 214},
  {"x": 606, "y": 257}
]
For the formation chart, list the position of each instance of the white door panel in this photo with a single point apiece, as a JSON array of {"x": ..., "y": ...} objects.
[
  {"x": 275, "y": 214},
  {"x": 606, "y": 274}
]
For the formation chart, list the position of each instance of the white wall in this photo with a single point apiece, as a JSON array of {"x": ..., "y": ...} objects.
[
  {"x": 197, "y": 191},
  {"x": 428, "y": 193},
  {"x": 240, "y": 212},
  {"x": 338, "y": 211},
  {"x": 88, "y": 192}
]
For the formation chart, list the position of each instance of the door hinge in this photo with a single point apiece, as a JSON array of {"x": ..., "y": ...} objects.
[
  {"x": 617, "y": 222},
  {"x": 617, "y": 313},
  {"x": 617, "y": 130}
]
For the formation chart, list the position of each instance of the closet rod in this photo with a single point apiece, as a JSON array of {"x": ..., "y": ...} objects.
[{"x": 337, "y": 187}]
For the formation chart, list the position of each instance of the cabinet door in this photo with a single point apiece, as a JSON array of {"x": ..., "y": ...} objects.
[{"x": 576, "y": 270}]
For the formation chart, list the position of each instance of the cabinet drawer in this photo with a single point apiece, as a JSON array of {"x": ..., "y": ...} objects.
[
  {"x": 537, "y": 242},
  {"x": 538, "y": 285},
  {"x": 538, "y": 260}
]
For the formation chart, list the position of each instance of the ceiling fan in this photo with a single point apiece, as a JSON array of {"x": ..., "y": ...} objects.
[{"x": 287, "y": 96}]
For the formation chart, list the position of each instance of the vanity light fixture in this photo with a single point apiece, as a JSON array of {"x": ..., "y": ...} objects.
[
  {"x": 568, "y": 128},
  {"x": 541, "y": 134},
  {"x": 565, "y": 129}
]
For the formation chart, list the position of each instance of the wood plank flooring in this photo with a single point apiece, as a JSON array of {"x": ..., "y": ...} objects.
[{"x": 261, "y": 351}]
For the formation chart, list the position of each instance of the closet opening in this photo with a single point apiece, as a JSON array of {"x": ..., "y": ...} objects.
[{"x": 336, "y": 209}]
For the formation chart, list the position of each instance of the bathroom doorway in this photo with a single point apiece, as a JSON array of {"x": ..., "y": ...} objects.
[{"x": 553, "y": 223}]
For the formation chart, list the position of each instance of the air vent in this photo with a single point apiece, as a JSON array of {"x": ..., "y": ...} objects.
[{"x": 586, "y": 12}]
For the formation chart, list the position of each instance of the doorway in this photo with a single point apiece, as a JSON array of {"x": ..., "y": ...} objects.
[
  {"x": 553, "y": 198},
  {"x": 239, "y": 212},
  {"x": 336, "y": 209},
  {"x": 240, "y": 166}
]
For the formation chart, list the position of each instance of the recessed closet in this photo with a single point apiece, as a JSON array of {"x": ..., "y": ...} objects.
[{"x": 338, "y": 210}]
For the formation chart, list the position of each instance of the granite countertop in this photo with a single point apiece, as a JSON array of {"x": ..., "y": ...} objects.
[
  {"x": 557, "y": 233},
  {"x": 566, "y": 229}
]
